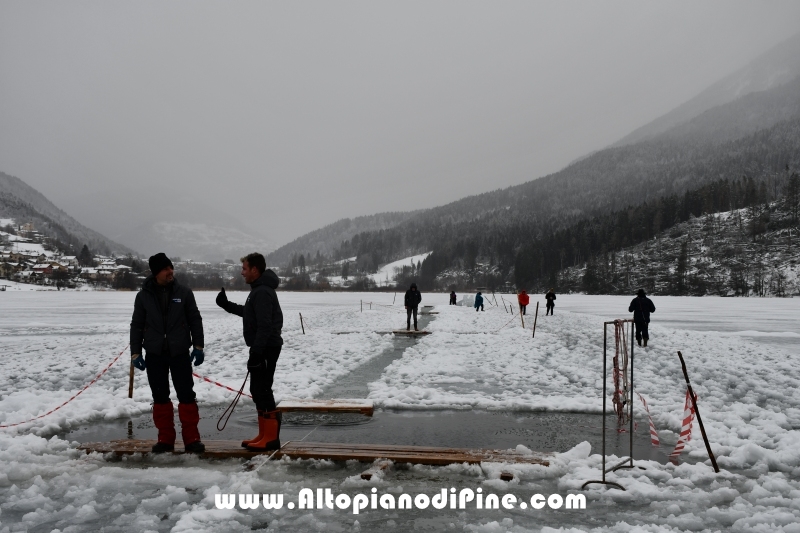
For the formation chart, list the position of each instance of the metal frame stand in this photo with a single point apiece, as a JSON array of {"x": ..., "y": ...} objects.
[{"x": 627, "y": 463}]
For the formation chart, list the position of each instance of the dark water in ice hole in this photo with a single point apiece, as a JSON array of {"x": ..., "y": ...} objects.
[{"x": 539, "y": 431}]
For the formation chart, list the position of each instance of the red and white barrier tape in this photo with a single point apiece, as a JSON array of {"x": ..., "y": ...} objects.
[
  {"x": 51, "y": 411},
  {"x": 195, "y": 374},
  {"x": 686, "y": 427},
  {"x": 653, "y": 433}
]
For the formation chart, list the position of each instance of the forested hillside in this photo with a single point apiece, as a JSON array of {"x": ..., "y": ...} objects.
[
  {"x": 731, "y": 237},
  {"x": 659, "y": 177},
  {"x": 752, "y": 251},
  {"x": 25, "y": 204}
]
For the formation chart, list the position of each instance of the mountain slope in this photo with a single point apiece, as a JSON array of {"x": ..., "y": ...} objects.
[
  {"x": 772, "y": 69},
  {"x": 169, "y": 221},
  {"x": 327, "y": 240},
  {"x": 24, "y": 204},
  {"x": 696, "y": 144},
  {"x": 495, "y": 226}
]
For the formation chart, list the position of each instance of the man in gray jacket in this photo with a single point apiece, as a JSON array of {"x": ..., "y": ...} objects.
[
  {"x": 262, "y": 321},
  {"x": 167, "y": 323}
]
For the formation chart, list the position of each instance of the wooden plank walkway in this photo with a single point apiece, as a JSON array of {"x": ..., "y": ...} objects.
[
  {"x": 411, "y": 333},
  {"x": 424, "y": 455},
  {"x": 365, "y": 407}
]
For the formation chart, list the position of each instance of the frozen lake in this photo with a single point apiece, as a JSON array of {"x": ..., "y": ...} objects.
[{"x": 478, "y": 380}]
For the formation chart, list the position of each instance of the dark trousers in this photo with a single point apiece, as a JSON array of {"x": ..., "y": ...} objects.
[
  {"x": 159, "y": 368},
  {"x": 452, "y": 301},
  {"x": 641, "y": 330},
  {"x": 550, "y": 309},
  {"x": 409, "y": 312},
  {"x": 523, "y": 308},
  {"x": 262, "y": 372},
  {"x": 479, "y": 306}
]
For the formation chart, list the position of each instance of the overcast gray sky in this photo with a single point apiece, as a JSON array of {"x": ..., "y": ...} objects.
[{"x": 301, "y": 113}]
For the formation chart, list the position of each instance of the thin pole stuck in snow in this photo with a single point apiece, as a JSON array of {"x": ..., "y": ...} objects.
[
  {"x": 697, "y": 413},
  {"x": 301, "y": 323},
  {"x": 130, "y": 383},
  {"x": 504, "y": 303},
  {"x": 395, "y": 297},
  {"x": 534, "y": 320},
  {"x": 362, "y": 306}
]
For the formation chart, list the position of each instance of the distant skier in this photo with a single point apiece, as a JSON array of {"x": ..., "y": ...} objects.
[
  {"x": 550, "y": 296},
  {"x": 523, "y": 299},
  {"x": 478, "y": 302},
  {"x": 412, "y": 300},
  {"x": 641, "y": 307},
  {"x": 167, "y": 323},
  {"x": 453, "y": 298},
  {"x": 263, "y": 320}
]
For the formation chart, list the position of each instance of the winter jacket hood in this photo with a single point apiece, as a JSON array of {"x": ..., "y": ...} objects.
[
  {"x": 270, "y": 279},
  {"x": 413, "y": 296}
]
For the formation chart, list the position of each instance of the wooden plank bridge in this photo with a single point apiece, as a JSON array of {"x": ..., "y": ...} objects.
[{"x": 423, "y": 455}]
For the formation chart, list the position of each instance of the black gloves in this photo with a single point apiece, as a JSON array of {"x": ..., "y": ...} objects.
[
  {"x": 197, "y": 356},
  {"x": 222, "y": 299},
  {"x": 138, "y": 361}
]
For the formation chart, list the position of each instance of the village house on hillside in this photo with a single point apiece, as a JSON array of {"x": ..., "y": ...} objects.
[{"x": 27, "y": 256}]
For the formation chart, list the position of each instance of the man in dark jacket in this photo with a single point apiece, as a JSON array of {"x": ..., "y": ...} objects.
[
  {"x": 412, "y": 300},
  {"x": 262, "y": 320},
  {"x": 641, "y": 307},
  {"x": 550, "y": 296},
  {"x": 167, "y": 323},
  {"x": 453, "y": 298},
  {"x": 478, "y": 302}
]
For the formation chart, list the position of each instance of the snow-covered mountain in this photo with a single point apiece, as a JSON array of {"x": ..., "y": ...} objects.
[
  {"x": 170, "y": 221},
  {"x": 777, "y": 66},
  {"x": 23, "y": 203}
]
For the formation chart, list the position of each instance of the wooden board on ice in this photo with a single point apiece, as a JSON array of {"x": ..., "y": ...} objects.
[
  {"x": 365, "y": 407},
  {"x": 424, "y": 455}
]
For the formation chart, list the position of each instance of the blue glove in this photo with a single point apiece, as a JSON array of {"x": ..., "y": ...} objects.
[
  {"x": 197, "y": 356},
  {"x": 138, "y": 362}
]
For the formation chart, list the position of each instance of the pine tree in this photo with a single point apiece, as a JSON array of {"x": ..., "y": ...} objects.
[{"x": 85, "y": 257}]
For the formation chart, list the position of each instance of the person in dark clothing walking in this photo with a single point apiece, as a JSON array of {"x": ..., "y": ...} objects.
[
  {"x": 550, "y": 296},
  {"x": 167, "y": 323},
  {"x": 412, "y": 300},
  {"x": 262, "y": 320},
  {"x": 523, "y": 299},
  {"x": 641, "y": 307},
  {"x": 453, "y": 298},
  {"x": 478, "y": 302}
]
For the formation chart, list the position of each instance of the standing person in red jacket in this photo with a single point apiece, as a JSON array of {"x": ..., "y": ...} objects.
[{"x": 523, "y": 299}]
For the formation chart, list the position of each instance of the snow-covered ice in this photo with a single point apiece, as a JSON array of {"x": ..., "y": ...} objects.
[{"x": 742, "y": 356}]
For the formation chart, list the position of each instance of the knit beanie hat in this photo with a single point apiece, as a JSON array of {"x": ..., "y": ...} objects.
[{"x": 159, "y": 262}]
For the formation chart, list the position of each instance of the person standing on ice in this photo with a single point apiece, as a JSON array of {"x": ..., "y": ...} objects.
[
  {"x": 412, "y": 300},
  {"x": 550, "y": 296},
  {"x": 167, "y": 323},
  {"x": 453, "y": 297},
  {"x": 523, "y": 299},
  {"x": 478, "y": 302},
  {"x": 641, "y": 307},
  {"x": 263, "y": 321}
]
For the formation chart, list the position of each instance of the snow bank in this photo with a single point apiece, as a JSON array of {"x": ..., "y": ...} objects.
[{"x": 53, "y": 343}]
